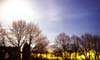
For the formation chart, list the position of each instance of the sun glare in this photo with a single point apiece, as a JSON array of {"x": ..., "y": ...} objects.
[{"x": 17, "y": 9}]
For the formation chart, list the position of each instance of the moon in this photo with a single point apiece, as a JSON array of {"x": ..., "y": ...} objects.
[{"x": 18, "y": 10}]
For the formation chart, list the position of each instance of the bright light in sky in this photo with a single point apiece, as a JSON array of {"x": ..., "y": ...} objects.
[
  {"x": 28, "y": 10},
  {"x": 17, "y": 9},
  {"x": 54, "y": 16}
]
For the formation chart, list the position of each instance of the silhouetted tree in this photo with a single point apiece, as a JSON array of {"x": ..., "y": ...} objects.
[
  {"x": 33, "y": 32},
  {"x": 18, "y": 31},
  {"x": 61, "y": 42},
  {"x": 35, "y": 36},
  {"x": 57, "y": 51},
  {"x": 2, "y": 36},
  {"x": 96, "y": 43},
  {"x": 77, "y": 44},
  {"x": 26, "y": 52},
  {"x": 88, "y": 39},
  {"x": 41, "y": 45}
]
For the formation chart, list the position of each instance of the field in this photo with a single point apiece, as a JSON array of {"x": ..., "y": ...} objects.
[{"x": 69, "y": 56}]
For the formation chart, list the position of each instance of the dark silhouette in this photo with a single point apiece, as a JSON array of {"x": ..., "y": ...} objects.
[
  {"x": 23, "y": 31},
  {"x": 34, "y": 44},
  {"x": 96, "y": 46},
  {"x": 88, "y": 39},
  {"x": 26, "y": 52},
  {"x": 8, "y": 53},
  {"x": 61, "y": 43},
  {"x": 41, "y": 46}
]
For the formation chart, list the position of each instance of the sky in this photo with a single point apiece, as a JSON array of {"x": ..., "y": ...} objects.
[{"x": 74, "y": 17}]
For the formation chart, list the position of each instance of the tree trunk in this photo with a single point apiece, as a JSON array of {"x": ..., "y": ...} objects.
[
  {"x": 95, "y": 55},
  {"x": 75, "y": 55},
  {"x": 89, "y": 54},
  {"x": 19, "y": 53}
]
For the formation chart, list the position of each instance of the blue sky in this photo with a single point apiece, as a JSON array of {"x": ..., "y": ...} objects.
[
  {"x": 55, "y": 16},
  {"x": 72, "y": 16}
]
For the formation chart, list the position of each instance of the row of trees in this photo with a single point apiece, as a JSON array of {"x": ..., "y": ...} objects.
[
  {"x": 21, "y": 32},
  {"x": 83, "y": 43}
]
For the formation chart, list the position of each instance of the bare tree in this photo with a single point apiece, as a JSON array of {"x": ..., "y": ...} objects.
[
  {"x": 88, "y": 39},
  {"x": 96, "y": 43},
  {"x": 41, "y": 46},
  {"x": 18, "y": 31},
  {"x": 35, "y": 37},
  {"x": 61, "y": 42},
  {"x": 33, "y": 33},
  {"x": 2, "y": 36},
  {"x": 77, "y": 44},
  {"x": 57, "y": 51}
]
